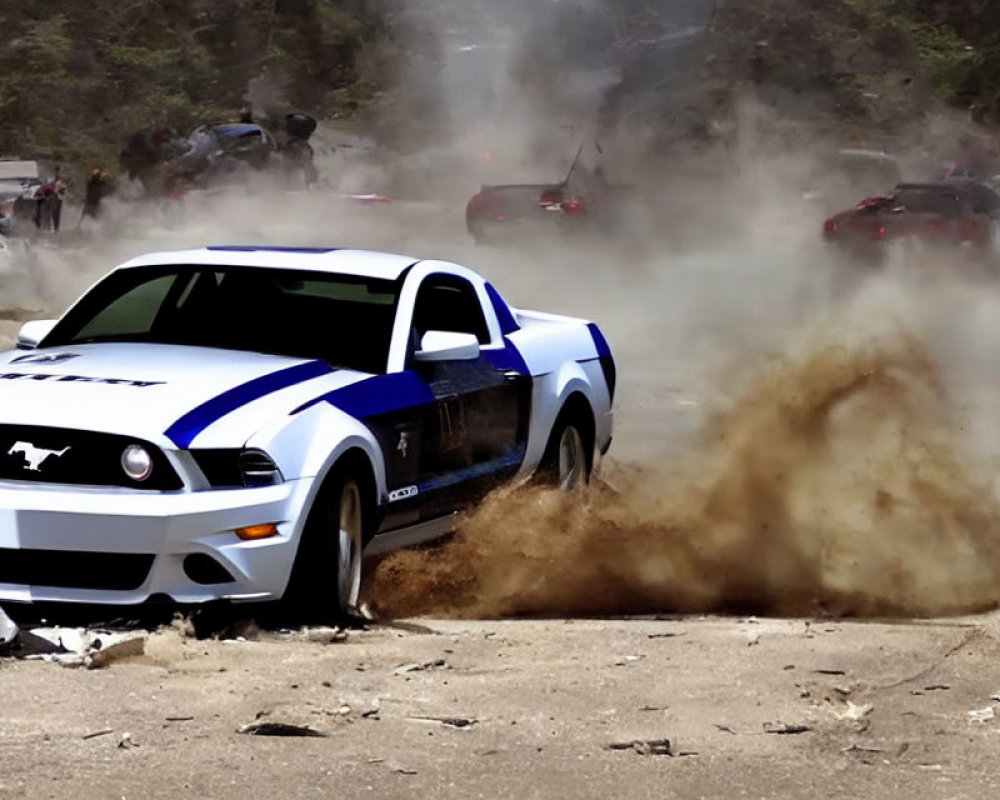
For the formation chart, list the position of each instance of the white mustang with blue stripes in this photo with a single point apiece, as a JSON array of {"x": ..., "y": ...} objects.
[{"x": 242, "y": 423}]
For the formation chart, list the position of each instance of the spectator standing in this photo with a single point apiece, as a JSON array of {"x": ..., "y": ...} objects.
[
  {"x": 94, "y": 193},
  {"x": 48, "y": 203}
]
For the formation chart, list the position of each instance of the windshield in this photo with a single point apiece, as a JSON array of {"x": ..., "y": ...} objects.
[{"x": 344, "y": 320}]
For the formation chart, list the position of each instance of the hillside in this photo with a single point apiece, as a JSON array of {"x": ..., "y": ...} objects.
[
  {"x": 877, "y": 63},
  {"x": 77, "y": 75}
]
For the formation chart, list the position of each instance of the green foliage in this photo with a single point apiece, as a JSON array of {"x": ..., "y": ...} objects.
[
  {"x": 946, "y": 57},
  {"x": 880, "y": 62},
  {"x": 77, "y": 76}
]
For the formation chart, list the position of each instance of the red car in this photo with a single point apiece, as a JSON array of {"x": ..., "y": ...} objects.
[
  {"x": 582, "y": 201},
  {"x": 954, "y": 212}
]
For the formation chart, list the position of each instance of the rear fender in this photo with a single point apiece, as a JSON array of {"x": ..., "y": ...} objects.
[{"x": 550, "y": 393}]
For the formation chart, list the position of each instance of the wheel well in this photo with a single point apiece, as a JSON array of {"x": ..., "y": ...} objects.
[{"x": 577, "y": 409}]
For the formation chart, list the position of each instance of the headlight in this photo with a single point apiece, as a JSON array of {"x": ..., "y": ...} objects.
[{"x": 137, "y": 462}]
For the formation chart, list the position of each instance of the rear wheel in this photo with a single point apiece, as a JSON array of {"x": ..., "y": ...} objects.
[
  {"x": 326, "y": 579},
  {"x": 571, "y": 464},
  {"x": 566, "y": 463}
]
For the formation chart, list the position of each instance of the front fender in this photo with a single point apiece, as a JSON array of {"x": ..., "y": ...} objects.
[{"x": 309, "y": 443}]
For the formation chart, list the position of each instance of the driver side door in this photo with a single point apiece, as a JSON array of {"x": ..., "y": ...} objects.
[{"x": 472, "y": 434}]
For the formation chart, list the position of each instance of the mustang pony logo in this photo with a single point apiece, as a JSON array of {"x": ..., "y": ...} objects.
[
  {"x": 34, "y": 455},
  {"x": 43, "y": 358}
]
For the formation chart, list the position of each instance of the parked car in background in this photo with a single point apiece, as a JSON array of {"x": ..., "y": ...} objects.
[
  {"x": 954, "y": 212},
  {"x": 16, "y": 176},
  {"x": 583, "y": 201}
]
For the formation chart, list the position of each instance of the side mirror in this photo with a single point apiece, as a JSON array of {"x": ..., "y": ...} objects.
[
  {"x": 32, "y": 333},
  {"x": 447, "y": 346}
]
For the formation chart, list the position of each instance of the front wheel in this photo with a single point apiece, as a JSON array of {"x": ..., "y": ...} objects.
[
  {"x": 326, "y": 579},
  {"x": 350, "y": 544}
]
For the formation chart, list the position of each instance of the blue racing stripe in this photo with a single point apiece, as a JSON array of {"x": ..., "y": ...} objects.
[
  {"x": 252, "y": 248},
  {"x": 509, "y": 358},
  {"x": 504, "y": 316},
  {"x": 380, "y": 394},
  {"x": 183, "y": 432},
  {"x": 603, "y": 348}
]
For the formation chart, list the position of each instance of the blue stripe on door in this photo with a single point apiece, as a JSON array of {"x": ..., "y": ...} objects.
[{"x": 381, "y": 394}]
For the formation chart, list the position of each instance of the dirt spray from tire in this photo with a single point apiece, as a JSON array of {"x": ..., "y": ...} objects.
[{"x": 836, "y": 484}]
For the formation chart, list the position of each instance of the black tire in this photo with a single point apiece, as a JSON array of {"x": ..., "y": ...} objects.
[
  {"x": 326, "y": 577},
  {"x": 568, "y": 458}
]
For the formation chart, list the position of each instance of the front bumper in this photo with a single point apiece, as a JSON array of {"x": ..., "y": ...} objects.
[{"x": 122, "y": 546}]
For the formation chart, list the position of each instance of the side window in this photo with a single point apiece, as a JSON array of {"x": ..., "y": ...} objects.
[{"x": 449, "y": 303}]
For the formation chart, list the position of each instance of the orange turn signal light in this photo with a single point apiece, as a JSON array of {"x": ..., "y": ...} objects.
[{"x": 252, "y": 532}]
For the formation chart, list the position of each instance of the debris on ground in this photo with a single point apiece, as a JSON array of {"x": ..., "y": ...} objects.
[
  {"x": 278, "y": 729},
  {"x": 324, "y": 635},
  {"x": 124, "y": 648},
  {"x": 863, "y": 754},
  {"x": 853, "y": 712},
  {"x": 95, "y": 734},
  {"x": 857, "y": 748},
  {"x": 645, "y": 747},
  {"x": 125, "y": 741},
  {"x": 80, "y": 647},
  {"x": 450, "y": 722},
  {"x": 438, "y": 663},
  {"x": 982, "y": 714},
  {"x": 785, "y": 728},
  {"x": 8, "y": 630}
]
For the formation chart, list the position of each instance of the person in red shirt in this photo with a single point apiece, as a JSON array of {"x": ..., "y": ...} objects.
[{"x": 48, "y": 204}]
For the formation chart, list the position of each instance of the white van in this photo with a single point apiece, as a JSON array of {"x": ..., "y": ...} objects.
[{"x": 17, "y": 176}]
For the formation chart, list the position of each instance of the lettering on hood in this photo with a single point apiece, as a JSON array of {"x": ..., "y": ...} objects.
[{"x": 47, "y": 376}]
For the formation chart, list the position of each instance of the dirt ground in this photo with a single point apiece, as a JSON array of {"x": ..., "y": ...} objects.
[{"x": 530, "y": 708}]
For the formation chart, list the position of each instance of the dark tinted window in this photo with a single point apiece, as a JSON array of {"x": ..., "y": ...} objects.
[
  {"x": 448, "y": 303},
  {"x": 344, "y": 320},
  {"x": 931, "y": 203}
]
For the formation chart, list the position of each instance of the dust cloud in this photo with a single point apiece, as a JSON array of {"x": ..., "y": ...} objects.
[
  {"x": 837, "y": 483},
  {"x": 795, "y": 434}
]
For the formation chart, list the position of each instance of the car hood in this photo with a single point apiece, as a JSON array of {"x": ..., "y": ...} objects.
[{"x": 175, "y": 396}]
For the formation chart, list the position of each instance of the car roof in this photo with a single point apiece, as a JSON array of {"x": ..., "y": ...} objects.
[
  {"x": 361, "y": 263},
  {"x": 866, "y": 155},
  {"x": 949, "y": 187}
]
